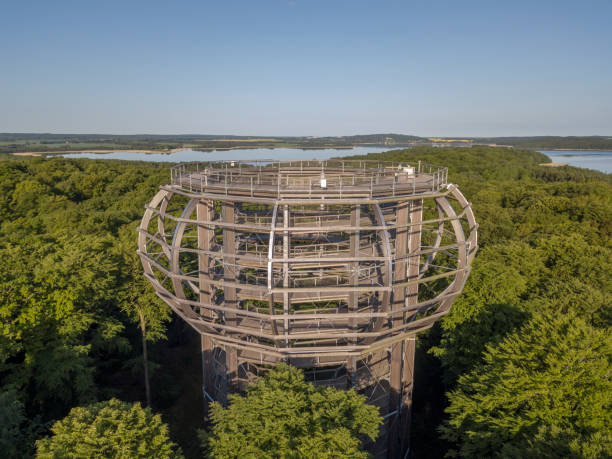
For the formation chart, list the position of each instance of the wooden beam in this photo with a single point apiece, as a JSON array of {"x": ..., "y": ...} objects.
[
  {"x": 229, "y": 289},
  {"x": 204, "y": 211}
]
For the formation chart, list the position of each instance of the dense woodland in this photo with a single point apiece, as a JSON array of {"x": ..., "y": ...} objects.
[
  {"x": 519, "y": 368},
  {"x": 593, "y": 142}
]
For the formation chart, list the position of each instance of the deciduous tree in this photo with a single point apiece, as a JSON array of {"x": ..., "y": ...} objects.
[
  {"x": 283, "y": 416},
  {"x": 544, "y": 391},
  {"x": 109, "y": 429}
]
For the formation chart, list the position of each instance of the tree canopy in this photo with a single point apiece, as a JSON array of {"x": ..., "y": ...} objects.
[
  {"x": 284, "y": 416},
  {"x": 544, "y": 391},
  {"x": 109, "y": 429}
]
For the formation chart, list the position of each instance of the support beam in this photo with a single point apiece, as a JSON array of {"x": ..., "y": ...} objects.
[
  {"x": 286, "y": 266},
  {"x": 412, "y": 299},
  {"x": 229, "y": 292},
  {"x": 353, "y": 298},
  {"x": 204, "y": 211},
  {"x": 400, "y": 272}
]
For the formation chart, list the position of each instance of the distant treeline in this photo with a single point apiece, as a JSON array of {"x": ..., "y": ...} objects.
[
  {"x": 15, "y": 142},
  {"x": 552, "y": 142}
]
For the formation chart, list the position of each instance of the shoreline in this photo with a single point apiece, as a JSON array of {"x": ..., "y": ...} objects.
[
  {"x": 575, "y": 149},
  {"x": 51, "y": 153},
  {"x": 554, "y": 164},
  {"x": 175, "y": 150}
]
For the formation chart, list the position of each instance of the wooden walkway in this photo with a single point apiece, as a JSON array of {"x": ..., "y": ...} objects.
[{"x": 282, "y": 181}]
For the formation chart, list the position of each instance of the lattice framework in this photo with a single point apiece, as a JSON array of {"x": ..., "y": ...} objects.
[{"x": 332, "y": 266}]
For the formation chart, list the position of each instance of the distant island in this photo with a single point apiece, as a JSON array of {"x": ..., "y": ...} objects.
[{"x": 30, "y": 144}]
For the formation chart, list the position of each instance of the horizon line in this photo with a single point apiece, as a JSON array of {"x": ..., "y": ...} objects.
[{"x": 301, "y": 136}]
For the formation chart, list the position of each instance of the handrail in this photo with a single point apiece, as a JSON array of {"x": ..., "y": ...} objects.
[{"x": 337, "y": 177}]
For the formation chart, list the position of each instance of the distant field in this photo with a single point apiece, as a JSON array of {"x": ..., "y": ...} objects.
[{"x": 244, "y": 140}]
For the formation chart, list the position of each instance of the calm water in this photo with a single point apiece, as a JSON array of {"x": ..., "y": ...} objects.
[
  {"x": 242, "y": 153},
  {"x": 598, "y": 160}
]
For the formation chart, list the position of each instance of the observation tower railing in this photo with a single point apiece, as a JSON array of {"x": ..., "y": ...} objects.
[{"x": 330, "y": 178}]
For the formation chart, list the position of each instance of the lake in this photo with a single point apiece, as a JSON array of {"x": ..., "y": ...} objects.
[
  {"x": 598, "y": 160},
  {"x": 237, "y": 154},
  {"x": 589, "y": 159}
]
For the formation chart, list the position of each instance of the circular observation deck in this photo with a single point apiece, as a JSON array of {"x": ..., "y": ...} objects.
[{"x": 325, "y": 179}]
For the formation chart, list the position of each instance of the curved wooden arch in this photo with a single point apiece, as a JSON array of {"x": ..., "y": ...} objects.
[{"x": 266, "y": 326}]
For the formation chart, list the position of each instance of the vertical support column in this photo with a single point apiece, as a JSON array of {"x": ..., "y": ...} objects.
[
  {"x": 286, "y": 299},
  {"x": 400, "y": 272},
  {"x": 271, "y": 280},
  {"x": 229, "y": 293},
  {"x": 414, "y": 246},
  {"x": 412, "y": 298},
  {"x": 206, "y": 233},
  {"x": 353, "y": 299}
]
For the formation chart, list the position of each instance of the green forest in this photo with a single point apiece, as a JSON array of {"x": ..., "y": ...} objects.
[
  {"x": 593, "y": 142},
  {"x": 520, "y": 367}
]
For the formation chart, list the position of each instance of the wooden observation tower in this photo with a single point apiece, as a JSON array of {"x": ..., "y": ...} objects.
[{"x": 331, "y": 266}]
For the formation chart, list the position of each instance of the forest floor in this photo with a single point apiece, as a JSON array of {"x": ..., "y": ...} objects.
[{"x": 182, "y": 367}]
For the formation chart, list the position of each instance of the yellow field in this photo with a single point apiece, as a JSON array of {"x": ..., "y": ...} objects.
[
  {"x": 244, "y": 140},
  {"x": 435, "y": 139}
]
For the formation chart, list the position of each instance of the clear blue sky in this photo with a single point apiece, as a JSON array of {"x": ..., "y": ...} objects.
[{"x": 307, "y": 67}]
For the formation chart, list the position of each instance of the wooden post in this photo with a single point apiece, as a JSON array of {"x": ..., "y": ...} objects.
[
  {"x": 353, "y": 298},
  {"x": 399, "y": 297},
  {"x": 229, "y": 274},
  {"x": 412, "y": 298},
  {"x": 206, "y": 234},
  {"x": 286, "y": 298}
]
